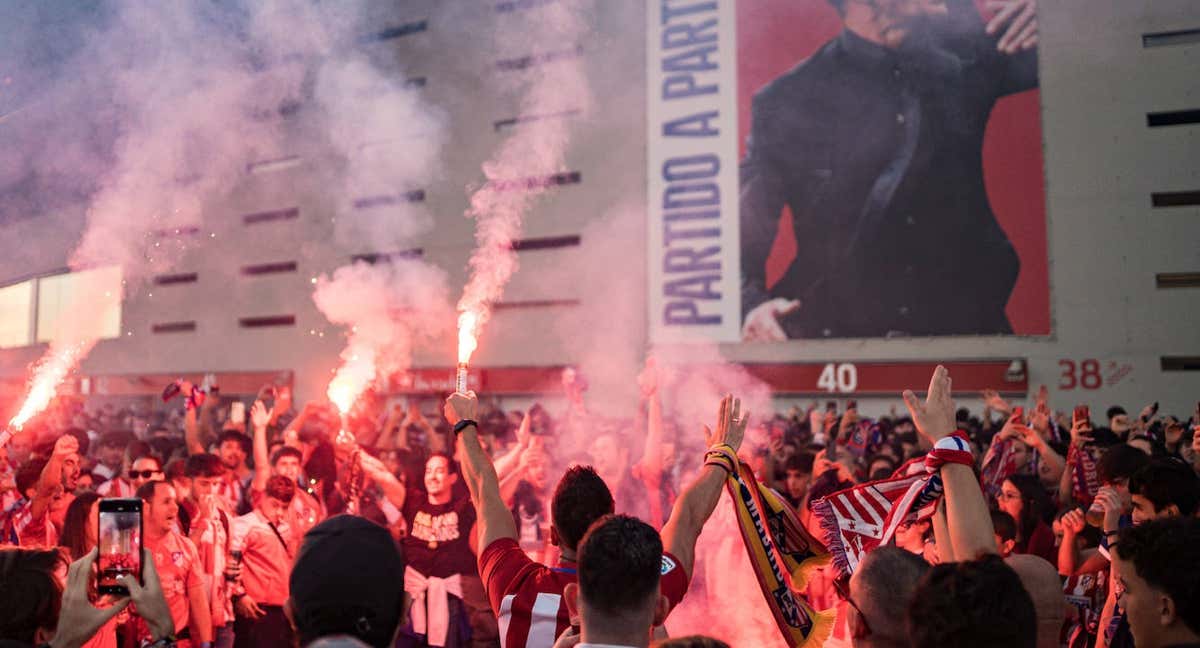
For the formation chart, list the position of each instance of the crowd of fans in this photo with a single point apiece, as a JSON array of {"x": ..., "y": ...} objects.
[{"x": 472, "y": 526}]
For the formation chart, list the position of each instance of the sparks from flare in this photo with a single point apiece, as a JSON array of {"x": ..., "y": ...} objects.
[{"x": 48, "y": 375}]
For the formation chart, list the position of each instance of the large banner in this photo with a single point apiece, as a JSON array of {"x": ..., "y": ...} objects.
[{"x": 844, "y": 168}]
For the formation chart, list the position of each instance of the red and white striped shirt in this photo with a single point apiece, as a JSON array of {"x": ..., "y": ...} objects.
[
  {"x": 527, "y": 596},
  {"x": 116, "y": 487}
]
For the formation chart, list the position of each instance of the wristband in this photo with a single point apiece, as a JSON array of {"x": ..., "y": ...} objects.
[
  {"x": 1109, "y": 534},
  {"x": 464, "y": 424},
  {"x": 720, "y": 460},
  {"x": 953, "y": 449}
]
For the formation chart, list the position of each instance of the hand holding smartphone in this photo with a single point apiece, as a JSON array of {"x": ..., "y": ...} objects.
[{"x": 119, "y": 535}]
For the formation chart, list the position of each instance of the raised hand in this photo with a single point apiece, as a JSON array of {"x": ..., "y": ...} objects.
[
  {"x": 1018, "y": 19},
  {"x": 1081, "y": 433},
  {"x": 648, "y": 378},
  {"x": 78, "y": 619},
  {"x": 149, "y": 598},
  {"x": 260, "y": 416},
  {"x": 762, "y": 322},
  {"x": 731, "y": 424},
  {"x": 994, "y": 400},
  {"x": 66, "y": 446},
  {"x": 461, "y": 406},
  {"x": 934, "y": 418},
  {"x": 1073, "y": 523}
]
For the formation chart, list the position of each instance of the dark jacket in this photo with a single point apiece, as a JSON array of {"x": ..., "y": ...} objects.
[{"x": 877, "y": 153}]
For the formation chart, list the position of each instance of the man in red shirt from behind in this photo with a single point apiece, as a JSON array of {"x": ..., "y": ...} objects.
[{"x": 526, "y": 596}]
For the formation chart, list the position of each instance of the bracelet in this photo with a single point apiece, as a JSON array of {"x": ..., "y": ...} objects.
[
  {"x": 1109, "y": 534},
  {"x": 464, "y": 424},
  {"x": 713, "y": 461}
]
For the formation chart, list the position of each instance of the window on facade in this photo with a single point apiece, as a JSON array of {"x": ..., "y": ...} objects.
[
  {"x": 85, "y": 304},
  {"x": 16, "y": 306}
]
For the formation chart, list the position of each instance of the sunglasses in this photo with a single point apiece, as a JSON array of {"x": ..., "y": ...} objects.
[{"x": 143, "y": 474}]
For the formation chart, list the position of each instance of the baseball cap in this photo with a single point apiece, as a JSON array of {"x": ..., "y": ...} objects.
[{"x": 348, "y": 580}]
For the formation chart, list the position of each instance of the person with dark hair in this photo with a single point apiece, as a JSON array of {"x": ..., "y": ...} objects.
[
  {"x": 1026, "y": 500},
  {"x": 528, "y": 596},
  {"x": 972, "y": 604},
  {"x": 441, "y": 576},
  {"x": 177, "y": 563},
  {"x": 1166, "y": 487},
  {"x": 348, "y": 581},
  {"x": 1005, "y": 530},
  {"x": 260, "y": 543},
  {"x": 797, "y": 476},
  {"x": 1156, "y": 566},
  {"x": 617, "y": 598},
  {"x": 143, "y": 468},
  {"x": 38, "y": 608},
  {"x": 305, "y": 510},
  {"x": 1162, "y": 489},
  {"x": 79, "y": 533},
  {"x": 233, "y": 447},
  {"x": 29, "y": 594},
  {"x": 110, "y": 453},
  {"x": 897, "y": 68},
  {"x": 878, "y": 596},
  {"x": 34, "y": 519},
  {"x": 202, "y": 516}
]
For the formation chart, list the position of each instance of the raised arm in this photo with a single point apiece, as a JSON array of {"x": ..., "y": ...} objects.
[
  {"x": 50, "y": 480},
  {"x": 393, "y": 489},
  {"x": 260, "y": 417},
  {"x": 967, "y": 517},
  {"x": 697, "y": 501},
  {"x": 493, "y": 517},
  {"x": 650, "y": 469},
  {"x": 505, "y": 466},
  {"x": 191, "y": 432}
]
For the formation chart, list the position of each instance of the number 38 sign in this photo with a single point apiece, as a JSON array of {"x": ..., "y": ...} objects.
[{"x": 1090, "y": 374}]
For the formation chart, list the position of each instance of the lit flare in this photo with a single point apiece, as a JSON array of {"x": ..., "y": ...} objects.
[{"x": 48, "y": 375}]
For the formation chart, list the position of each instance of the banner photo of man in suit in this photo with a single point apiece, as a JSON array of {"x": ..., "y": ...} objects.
[{"x": 890, "y": 177}]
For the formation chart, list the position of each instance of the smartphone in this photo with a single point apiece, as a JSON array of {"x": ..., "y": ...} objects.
[
  {"x": 1019, "y": 413},
  {"x": 119, "y": 533},
  {"x": 237, "y": 412},
  {"x": 1082, "y": 414}
]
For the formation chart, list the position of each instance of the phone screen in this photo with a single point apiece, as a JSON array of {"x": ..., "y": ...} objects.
[
  {"x": 237, "y": 412},
  {"x": 120, "y": 537},
  {"x": 1082, "y": 413}
]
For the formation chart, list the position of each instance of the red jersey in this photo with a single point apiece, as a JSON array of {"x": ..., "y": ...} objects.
[{"x": 527, "y": 596}]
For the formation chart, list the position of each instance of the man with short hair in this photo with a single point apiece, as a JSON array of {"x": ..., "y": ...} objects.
[
  {"x": 1164, "y": 488},
  {"x": 261, "y": 591},
  {"x": 178, "y": 564},
  {"x": 142, "y": 469},
  {"x": 207, "y": 525},
  {"x": 1156, "y": 566},
  {"x": 879, "y": 594},
  {"x": 110, "y": 453},
  {"x": 617, "y": 598},
  {"x": 1005, "y": 530},
  {"x": 232, "y": 448},
  {"x": 30, "y": 521},
  {"x": 528, "y": 596},
  {"x": 441, "y": 573},
  {"x": 347, "y": 583},
  {"x": 972, "y": 604},
  {"x": 798, "y": 475},
  {"x": 305, "y": 510}
]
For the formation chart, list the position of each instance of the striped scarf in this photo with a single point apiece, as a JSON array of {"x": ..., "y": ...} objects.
[{"x": 783, "y": 554}]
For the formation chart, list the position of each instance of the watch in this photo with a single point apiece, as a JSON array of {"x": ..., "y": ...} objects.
[{"x": 464, "y": 424}]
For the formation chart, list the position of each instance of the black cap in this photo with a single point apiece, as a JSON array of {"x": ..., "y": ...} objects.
[{"x": 348, "y": 580}]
